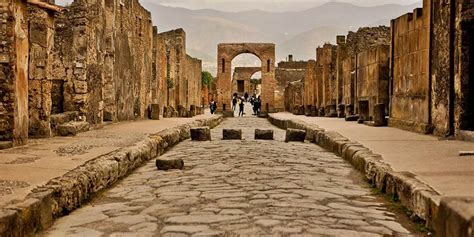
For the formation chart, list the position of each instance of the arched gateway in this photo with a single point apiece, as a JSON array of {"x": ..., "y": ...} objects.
[
  {"x": 241, "y": 80},
  {"x": 226, "y": 53}
]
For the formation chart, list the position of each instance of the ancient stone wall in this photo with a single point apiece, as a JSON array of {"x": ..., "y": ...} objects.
[
  {"x": 464, "y": 67},
  {"x": 329, "y": 82},
  {"x": 41, "y": 41},
  {"x": 318, "y": 83},
  {"x": 373, "y": 77},
  {"x": 244, "y": 75},
  {"x": 410, "y": 93},
  {"x": 309, "y": 81},
  {"x": 101, "y": 60},
  {"x": 285, "y": 73},
  {"x": 174, "y": 45},
  {"x": 451, "y": 69},
  {"x": 294, "y": 96},
  {"x": 14, "y": 55},
  {"x": 193, "y": 70},
  {"x": 348, "y": 47}
]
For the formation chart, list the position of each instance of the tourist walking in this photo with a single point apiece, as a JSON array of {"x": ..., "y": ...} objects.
[
  {"x": 213, "y": 106},
  {"x": 234, "y": 102},
  {"x": 241, "y": 107}
]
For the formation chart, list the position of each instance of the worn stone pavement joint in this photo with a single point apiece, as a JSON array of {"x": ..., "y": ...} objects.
[
  {"x": 232, "y": 134},
  {"x": 261, "y": 134},
  {"x": 295, "y": 135},
  {"x": 176, "y": 164},
  {"x": 414, "y": 194},
  {"x": 201, "y": 134}
]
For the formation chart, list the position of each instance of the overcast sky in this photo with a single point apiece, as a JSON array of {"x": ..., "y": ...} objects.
[{"x": 268, "y": 5}]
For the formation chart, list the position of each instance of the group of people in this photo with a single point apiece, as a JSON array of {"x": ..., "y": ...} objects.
[{"x": 255, "y": 101}]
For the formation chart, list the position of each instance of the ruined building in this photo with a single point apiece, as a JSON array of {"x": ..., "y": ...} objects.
[
  {"x": 64, "y": 70},
  {"x": 432, "y": 76},
  {"x": 286, "y": 72},
  {"x": 418, "y": 72},
  {"x": 241, "y": 80}
]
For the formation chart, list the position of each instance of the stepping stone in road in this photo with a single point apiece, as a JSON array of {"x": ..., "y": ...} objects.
[
  {"x": 232, "y": 134},
  {"x": 261, "y": 134},
  {"x": 295, "y": 135},
  {"x": 176, "y": 164},
  {"x": 201, "y": 134}
]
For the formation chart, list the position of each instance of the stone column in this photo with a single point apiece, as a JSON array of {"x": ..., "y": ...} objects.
[
  {"x": 41, "y": 32},
  {"x": 14, "y": 54}
]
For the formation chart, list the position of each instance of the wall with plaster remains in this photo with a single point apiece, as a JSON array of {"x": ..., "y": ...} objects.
[{"x": 14, "y": 54}]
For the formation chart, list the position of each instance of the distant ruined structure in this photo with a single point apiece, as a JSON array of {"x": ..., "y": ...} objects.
[
  {"x": 93, "y": 61},
  {"x": 226, "y": 52},
  {"x": 417, "y": 72}
]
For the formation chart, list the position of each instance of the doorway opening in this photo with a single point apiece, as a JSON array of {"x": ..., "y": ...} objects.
[{"x": 57, "y": 97}]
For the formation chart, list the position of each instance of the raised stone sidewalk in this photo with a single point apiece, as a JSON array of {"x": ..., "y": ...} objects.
[
  {"x": 425, "y": 173},
  {"x": 51, "y": 177}
]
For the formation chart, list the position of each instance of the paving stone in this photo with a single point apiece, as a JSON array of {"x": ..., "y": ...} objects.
[
  {"x": 295, "y": 135},
  {"x": 187, "y": 229},
  {"x": 201, "y": 134},
  {"x": 201, "y": 219},
  {"x": 267, "y": 222}
]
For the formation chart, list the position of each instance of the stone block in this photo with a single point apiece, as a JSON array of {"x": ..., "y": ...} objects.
[
  {"x": 363, "y": 111},
  {"x": 295, "y": 135},
  {"x": 261, "y": 134},
  {"x": 331, "y": 111},
  {"x": 176, "y": 164},
  {"x": 6, "y": 145},
  {"x": 232, "y": 134},
  {"x": 351, "y": 118},
  {"x": 341, "y": 111},
  {"x": 201, "y": 134},
  {"x": 155, "y": 112},
  {"x": 455, "y": 217},
  {"x": 379, "y": 115},
  {"x": 73, "y": 128}
]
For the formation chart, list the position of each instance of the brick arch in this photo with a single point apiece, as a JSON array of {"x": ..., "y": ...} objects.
[
  {"x": 244, "y": 74},
  {"x": 226, "y": 53}
]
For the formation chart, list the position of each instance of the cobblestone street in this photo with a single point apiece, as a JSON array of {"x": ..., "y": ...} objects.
[{"x": 243, "y": 187}]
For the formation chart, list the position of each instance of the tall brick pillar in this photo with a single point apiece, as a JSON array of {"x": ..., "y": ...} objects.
[
  {"x": 41, "y": 32},
  {"x": 14, "y": 72}
]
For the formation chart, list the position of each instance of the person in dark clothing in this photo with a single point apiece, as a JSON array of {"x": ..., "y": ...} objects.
[
  {"x": 234, "y": 103},
  {"x": 246, "y": 96},
  {"x": 213, "y": 106},
  {"x": 241, "y": 108},
  {"x": 259, "y": 104}
]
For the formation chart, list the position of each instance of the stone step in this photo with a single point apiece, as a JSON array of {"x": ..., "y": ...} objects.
[
  {"x": 73, "y": 128},
  {"x": 63, "y": 118}
]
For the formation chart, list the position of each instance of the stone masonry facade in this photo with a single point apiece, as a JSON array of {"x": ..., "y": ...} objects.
[
  {"x": 417, "y": 73},
  {"x": 91, "y": 62}
]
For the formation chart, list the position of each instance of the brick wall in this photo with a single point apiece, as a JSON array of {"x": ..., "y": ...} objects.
[
  {"x": 14, "y": 72},
  {"x": 410, "y": 76},
  {"x": 373, "y": 77}
]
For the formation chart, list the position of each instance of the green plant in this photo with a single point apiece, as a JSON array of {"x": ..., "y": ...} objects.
[
  {"x": 170, "y": 83},
  {"x": 207, "y": 79}
]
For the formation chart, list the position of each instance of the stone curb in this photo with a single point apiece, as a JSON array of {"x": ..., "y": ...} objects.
[
  {"x": 415, "y": 195},
  {"x": 62, "y": 195}
]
